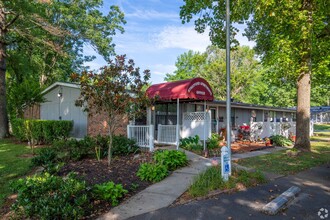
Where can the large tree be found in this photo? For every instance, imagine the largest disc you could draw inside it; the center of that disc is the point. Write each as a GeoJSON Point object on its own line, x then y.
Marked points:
{"type": "Point", "coordinates": [288, 35]}
{"type": "Point", "coordinates": [46, 37]}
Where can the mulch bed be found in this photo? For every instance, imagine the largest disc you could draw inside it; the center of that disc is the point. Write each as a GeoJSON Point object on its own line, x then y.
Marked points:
{"type": "Point", "coordinates": [122, 170]}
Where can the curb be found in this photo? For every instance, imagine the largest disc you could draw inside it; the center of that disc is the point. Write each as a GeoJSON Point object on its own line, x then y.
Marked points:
{"type": "Point", "coordinates": [277, 204]}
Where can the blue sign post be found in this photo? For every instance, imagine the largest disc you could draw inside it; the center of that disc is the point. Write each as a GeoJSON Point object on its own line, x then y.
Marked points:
{"type": "Point", "coordinates": [225, 163]}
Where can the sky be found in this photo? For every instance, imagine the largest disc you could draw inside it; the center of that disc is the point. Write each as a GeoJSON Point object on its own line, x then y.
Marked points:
{"type": "Point", "coordinates": [154, 36]}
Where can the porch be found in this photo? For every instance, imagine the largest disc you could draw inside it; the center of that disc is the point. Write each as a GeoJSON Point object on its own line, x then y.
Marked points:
{"type": "Point", "coordinates": [186, 108]}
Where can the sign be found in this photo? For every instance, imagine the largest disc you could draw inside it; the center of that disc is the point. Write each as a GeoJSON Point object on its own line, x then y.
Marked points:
{"type": "Point", "coordinates": [225, 164]}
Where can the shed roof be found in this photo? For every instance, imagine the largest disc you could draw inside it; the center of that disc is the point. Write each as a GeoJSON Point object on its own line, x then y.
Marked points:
{"type": "Point", "coordinates": [65, 84]}
{"type": "Point", "coordinates": [192, 89]}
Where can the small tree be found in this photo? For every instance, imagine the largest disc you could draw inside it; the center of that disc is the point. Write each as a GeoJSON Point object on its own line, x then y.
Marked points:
{"type": "Point", "coordinates": [116, 91]}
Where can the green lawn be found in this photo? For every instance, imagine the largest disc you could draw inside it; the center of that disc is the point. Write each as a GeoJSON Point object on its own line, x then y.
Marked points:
{"type": "Point", "coordinates": [280, 163]}
{"type": "Point", "coordinates": [12, 165]}
{"type": "Point", "coordinates": [323, 127]}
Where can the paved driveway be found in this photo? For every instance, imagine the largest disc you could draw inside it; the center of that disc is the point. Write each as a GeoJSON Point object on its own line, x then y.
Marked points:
{"type": "Point", "coordinates": [314, 195]}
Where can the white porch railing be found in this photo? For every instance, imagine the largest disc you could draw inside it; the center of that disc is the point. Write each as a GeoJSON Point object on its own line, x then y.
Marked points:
{"type": "Point", "coordinates": [166, 134]}
{"type": "Point", "coordinates": [142, 134]}
{"type": "Point", "coordinates": [267, 129]}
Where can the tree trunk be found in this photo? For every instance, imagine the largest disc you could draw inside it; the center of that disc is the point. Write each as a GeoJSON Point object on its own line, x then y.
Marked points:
{"type": "Point", "coordinates": [304, 83]}
{"type": "Point", "coordinates": [110, 147]}
{"type": "Point", "coordinates": [303, 113]}
{"type": "Point", "coordinates": [3, 108]}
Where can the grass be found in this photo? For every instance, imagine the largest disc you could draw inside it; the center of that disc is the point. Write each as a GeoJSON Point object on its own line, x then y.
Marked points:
{"type": "Point", "coordinates": [281, 163]}
{"type": "Point", "coordinates": [321, 127]}
{"type": "Point", "coordinates": [12, 166]}
{"type": "Point", "coordinates": [211, 180]}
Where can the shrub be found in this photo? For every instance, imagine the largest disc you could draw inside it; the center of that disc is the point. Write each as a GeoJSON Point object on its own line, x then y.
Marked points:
{"type": "Point", "coordinates": [109, 192]}
{"type": "Point", "coordinates": [123, 145]}
{"type": "Point", "coordinates": [279, 140]}
{"type": "Point", "coordinates": [41, 131]}
{"type": "Point", "coordinates": [73, 149]}
{"type": "Point", "coordinates": [54, 130]}
{"type": "Point", "coordinates": [172, 159]}
{"type": "Point", "coordinates": [152, 172]}
{"type": "Point", "coordinates": [102, 143]}
{"type": "Point", "coordinates": [213, 141]}
{"type": "Point", "coordinates": [46, 158]}
{"type": "Point", "coordinates": [18, 128]}
{"type": "Point", "coordinates": [191, 143]}
{"type": "Point", "coordinates": [50, 197]}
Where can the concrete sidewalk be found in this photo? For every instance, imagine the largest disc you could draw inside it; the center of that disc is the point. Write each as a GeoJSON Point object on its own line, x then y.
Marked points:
{"type": "Point", "coordinates": [164, 193]}
{"type": "Point", "coordinates": [161, 194]}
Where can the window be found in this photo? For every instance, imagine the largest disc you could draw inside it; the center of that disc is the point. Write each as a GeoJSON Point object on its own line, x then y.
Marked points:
{"type": "Point", "coordinates": [199, 108]}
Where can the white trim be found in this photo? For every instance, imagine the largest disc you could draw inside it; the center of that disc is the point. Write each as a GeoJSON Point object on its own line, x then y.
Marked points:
{"type": "Point", "coordinates": [49, 88]}
{"type": "Point", "coordinates": [251, 106]}
{"type": "Point", "coordinates": [177, 123]}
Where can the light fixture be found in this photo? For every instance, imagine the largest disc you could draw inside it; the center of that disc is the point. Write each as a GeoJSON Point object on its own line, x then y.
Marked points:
{"type": "Point", "coordinates": [60, 94]}
{"type": "Point", "coordinates": [153, 108]}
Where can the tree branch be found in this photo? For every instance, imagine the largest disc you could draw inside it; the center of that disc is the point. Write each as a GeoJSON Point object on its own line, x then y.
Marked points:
{"type": "Point", "coordinates": [10, 23]}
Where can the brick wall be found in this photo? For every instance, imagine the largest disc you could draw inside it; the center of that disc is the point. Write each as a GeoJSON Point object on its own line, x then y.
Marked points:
{"type": "Point", "coordinates": [97, 124]}
{"type": "Point", "coordinates": [32, 112]}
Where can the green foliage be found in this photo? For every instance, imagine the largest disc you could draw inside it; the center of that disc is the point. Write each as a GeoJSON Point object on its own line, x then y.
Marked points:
{"type": "Point", "coordinates": [211, 179]}
{"type": "Point", "coordinates": [213, 141]}
{"type": "Point", "coordinates": [172, 159]}
{"type": "Point", "coordinates": [109, 192]}
{"type": "Point", "coordinates": [321, 127]}
{"type": "Point", "coordinates": [189, 65]}
{"type": "Point", "coordinates": [22, 95]}
{"type": "Point", "coordinates": [46, 158]}
{"type": "Point", "coordinates": [191, 143]}
{"type": "Point", "coordinates": [123, 145]}
{"type": "Point", "coordinates": [73, 149]}
{"type": "Point", "coordinates": [207, 181]}
{"type": "Point", "coordinates": [53, 130]}
{"type": "Point", "coordinates": [279, 140]}
{"type": "Point", "coordinates": [102, 142]}
{"type": "Point", "coordinates": [249, 179]}
{"type": "Point", "coordinates": [50, 197]}
{"type": "Point", "coordinates": [18, 129]}
{"type": "Point", "coordinates": [152, 172]}
{"type": "Point", "coordinates": [41, 131]}
{"type": "Point", "coordinates": [13, 165]}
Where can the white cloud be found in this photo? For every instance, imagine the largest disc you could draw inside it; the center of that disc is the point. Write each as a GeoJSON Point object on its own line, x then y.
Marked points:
{"type": "Point", "coordinates": [161, 69]}
{"type": "Point", "coordinates": [152, 14]}
{"type": "Point", "coordinates": [183, 38]}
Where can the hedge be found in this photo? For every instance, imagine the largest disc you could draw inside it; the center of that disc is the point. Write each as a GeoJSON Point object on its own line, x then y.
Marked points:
{"type": "Point", "coordinates": [41, 131]}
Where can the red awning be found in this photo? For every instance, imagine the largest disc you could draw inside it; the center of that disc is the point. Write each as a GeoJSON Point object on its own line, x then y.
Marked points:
{"type": "Point", "coordinates": [196, 89]}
